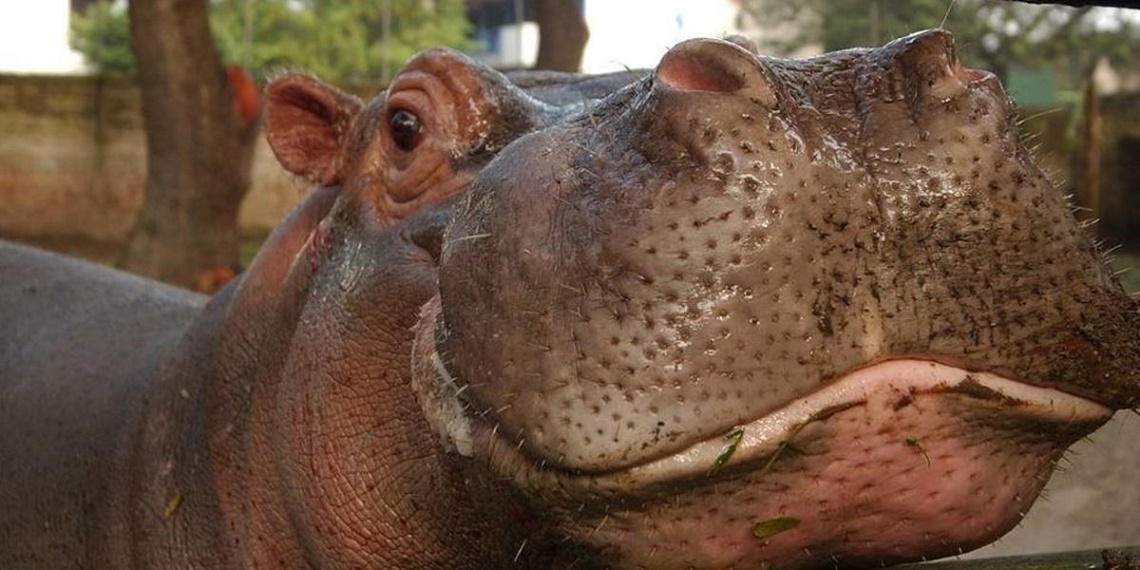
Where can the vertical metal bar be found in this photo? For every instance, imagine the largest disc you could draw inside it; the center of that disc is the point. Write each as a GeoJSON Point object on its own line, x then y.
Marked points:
{"type": "Point", "coordinates": [386, 41]}
{"type": "Point", "coordinates": [247, 34]}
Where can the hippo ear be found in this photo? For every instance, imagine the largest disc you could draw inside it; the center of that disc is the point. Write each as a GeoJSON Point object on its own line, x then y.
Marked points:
{"type": "Point", "coordinates": [305, 123]}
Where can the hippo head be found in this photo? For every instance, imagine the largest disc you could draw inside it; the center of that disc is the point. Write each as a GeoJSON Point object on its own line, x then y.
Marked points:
{"type": "Point", "coordinates": [751, 312]}
{"type": "Point", "coordinates": [417, 144]}
{"type": "Point", "coordinates": [309, 382]}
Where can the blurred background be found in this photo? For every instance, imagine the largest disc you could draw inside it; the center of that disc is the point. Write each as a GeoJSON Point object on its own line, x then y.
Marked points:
{"type": "Point", "coordinates": [131, 131]}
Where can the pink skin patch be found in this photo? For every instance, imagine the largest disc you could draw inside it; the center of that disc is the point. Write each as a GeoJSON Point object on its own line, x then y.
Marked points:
{"type": "Point", "coordinates": [690, 74]}
{"type": "Point", "coordinates": [313, 245]}
{"type": "Point", "coordinates": [893, 462]}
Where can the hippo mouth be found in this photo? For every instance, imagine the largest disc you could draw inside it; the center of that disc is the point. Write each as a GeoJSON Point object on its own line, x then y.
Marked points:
{"type": "Point", "coordinates": [894, 411]}
{"type": "Point", "coordinates": [891, 410]}
{"type": "Point", "coordinates": [938, 458]}
{"type": "Point", "coordinates": [785, 314]}
{"type": "Point", "coordinates": [901, 460]}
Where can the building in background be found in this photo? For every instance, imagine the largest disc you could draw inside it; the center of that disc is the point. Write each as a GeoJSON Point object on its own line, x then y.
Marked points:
{"type": "Point", "coordinates": [634, 34]}
{"type": "Point", "coordinates": [34, 38]}
{"type": "Point", "coordinates": [629, 34]}
{"type": "Point", "coordinates": [507, 32]}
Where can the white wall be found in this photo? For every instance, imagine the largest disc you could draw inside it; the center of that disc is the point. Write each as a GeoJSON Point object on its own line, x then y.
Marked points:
{"type": "Point", "coordinates": [33, 37]}
{"type": "Point", "coordinates": [636, 33]}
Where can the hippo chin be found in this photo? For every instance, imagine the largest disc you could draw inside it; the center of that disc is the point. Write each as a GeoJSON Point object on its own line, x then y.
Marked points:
{"type": "Point", "coordinates": [738, 312]}
{"type": "Point", "coordinates": [752, 312]}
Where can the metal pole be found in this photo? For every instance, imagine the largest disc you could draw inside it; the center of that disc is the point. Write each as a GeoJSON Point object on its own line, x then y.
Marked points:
{"type": "Point", "coordinates": [386, 41]}
{"type": "Point", "coordinates": [875, 35]}
{"type": "Point", "coordinates": [247, 34]}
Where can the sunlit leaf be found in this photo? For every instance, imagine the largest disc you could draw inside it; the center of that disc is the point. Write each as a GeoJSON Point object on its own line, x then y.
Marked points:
{"type": "Point", "coordinates": [772, 527]}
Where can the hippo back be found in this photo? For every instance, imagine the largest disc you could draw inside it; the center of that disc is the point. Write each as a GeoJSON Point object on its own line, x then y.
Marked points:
{"type": "Point", "coordinates": [564, 88]}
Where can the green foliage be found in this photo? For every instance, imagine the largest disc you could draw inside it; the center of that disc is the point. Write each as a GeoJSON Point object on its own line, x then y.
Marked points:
{"type": "Point", "coordinates": [991, 34]}
{"type": "Point", "coordinates": [1128, 269]}
{"type": "Point", "coordinates": [103, 36]}
{"type": "Point", "coordinates": [338, 40]}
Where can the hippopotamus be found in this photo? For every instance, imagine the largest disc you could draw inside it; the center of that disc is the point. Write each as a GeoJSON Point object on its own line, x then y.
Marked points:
{"type": "Point", "coordinates": [732, 312]}
{"type": "Point", "coordinates": [138, 412]}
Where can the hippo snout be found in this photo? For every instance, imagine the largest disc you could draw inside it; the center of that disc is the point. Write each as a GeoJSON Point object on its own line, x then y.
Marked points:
{"type": "Point", "coordinates": [834, 293]}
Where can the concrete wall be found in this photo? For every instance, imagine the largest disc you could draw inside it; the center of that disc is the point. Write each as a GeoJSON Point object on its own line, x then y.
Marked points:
{"type": "Point", "coordinates": [73, 165]}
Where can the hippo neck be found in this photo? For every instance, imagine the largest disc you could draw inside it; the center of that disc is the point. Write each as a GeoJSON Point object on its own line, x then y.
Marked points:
{"type": "Point", "coordinates": [256, 512]}
{"type": "Point", "coordinates": [174, 505]}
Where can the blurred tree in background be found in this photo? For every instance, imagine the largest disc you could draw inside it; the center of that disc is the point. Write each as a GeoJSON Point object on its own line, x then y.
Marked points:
{"type": "Point", "coordinates": [992, 34]}
{"type": "Point", "coordinates": [562, 34]}
{"type": "Point", "coordinates": [337, 40]}
{"type": "Point", "coordinates": [103, 36]}
{"type": "Point", "coordinates": [199, 141]}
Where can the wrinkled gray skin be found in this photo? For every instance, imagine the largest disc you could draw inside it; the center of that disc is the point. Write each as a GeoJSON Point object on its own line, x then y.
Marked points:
{"type": "Point", "coordinates": [733, 217]}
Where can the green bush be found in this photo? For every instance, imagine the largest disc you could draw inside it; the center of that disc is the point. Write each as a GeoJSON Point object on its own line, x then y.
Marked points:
{"type": "Point", "coordinates": [338, 40]}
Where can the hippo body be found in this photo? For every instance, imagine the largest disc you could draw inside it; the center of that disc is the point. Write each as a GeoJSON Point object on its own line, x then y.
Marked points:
{"type": "Point", "coordinates": [68, 424]}
{"type": "Point", "coordinates": [741, 312]}
{"type": "Point", "coordinates": [112, 385]}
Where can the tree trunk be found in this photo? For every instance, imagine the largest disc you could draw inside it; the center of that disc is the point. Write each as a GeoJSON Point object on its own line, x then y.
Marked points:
{"type": "Point", "coordinates": [80, 6]}
{"type": "Point", "coordinates": [199, 149]}
{"type": "Point", "coordinates": [562, 34]}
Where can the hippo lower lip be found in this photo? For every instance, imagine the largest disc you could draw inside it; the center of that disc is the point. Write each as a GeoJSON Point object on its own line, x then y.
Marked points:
{"type": "Point", "coordinates": [905, 448]}
{"type": "Point", "coordinates": [884, 390]}
{"type": "Point", "coordinates": [883, 394]}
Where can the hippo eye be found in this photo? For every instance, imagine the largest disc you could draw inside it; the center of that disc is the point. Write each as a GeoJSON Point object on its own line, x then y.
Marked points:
{"type": "Point", "coordinates": [405, 130]}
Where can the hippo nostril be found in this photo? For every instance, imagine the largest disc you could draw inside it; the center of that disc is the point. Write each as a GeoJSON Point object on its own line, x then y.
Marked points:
{"type": "Point", "coordinates": [928, 61]}
{"type": "Point", "coordinates": [924, 48]}
{"type": "Point", "coordinates": [713, 66]}
{"type": "Point", "coordinates": [929, 53]}
{"type": "Point", "coordinates": [697, 68]}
